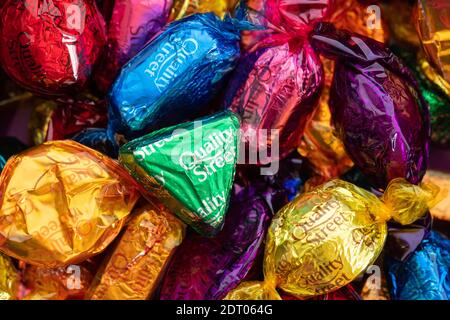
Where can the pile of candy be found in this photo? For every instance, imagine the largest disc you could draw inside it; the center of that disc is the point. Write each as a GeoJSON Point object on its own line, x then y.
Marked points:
{"type": "Point", "coordinates": [210, 149]}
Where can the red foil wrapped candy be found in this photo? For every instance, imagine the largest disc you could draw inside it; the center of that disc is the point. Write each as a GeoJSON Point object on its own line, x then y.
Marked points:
{"type": "Point", "coordinates": [376, 106]}
{"type": "Point", "coordinates": [278, 82]}
{"type": "Point", "coordinates": [50, 47]}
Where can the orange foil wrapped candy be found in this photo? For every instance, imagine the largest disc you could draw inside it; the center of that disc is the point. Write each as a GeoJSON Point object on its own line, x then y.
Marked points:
{"type": "Point", "coordinates": [182, 8]}
{"type": "Point", "coordinates": [63, 283]}
{"type": "Point", "coordinates": [9, 279]}
{"type": "Point", "coordinates": [136, 264]}
{"type": "Point", "coordinates": [442, 210]}
{"type": "Point", "coordinates": [325, 238]}
{"type": "Point", "coordinates": [61, 203]}
{"type": "Point", "coordinates": [433, 27]}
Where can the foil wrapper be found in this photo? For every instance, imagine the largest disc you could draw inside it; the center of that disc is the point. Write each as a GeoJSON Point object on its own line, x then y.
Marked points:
{"type": "Point", "coordinates": [9, 279]}
{"type": "Point", "coordinates": [175, 76]}
{"type": "Point", "coordinates": [132, 25]}
{"type": "Point", "coordinates": [98, 139]}
{"type": "Point", "coordinates": [182, 8]}
{"type": "Point", "coordinates": [376, 106]}
{"type": "Point", "coordinates": [64, 118]}
{"type": "Point", "coordinates": [433, 27]}
{"type": "Point", "coordinates": [277, 83]}
{"type": "Point", "coordinates": [424, 276]}
{"type": "Point", "coordinates": [442, 210]}
{"type": "Point", "coordinates": [50, 47]}
{"type": "Point", "coordinates": [63, 283]}
{"type": "Point", "coordinates": [62, 203]}
{"type": "Point", "coordinates": [189, 168]}
{"type": "Point", "coordinates": [325, 238]}
{"type": "Point", "coordinates": [137, 263]}
{"type": "Point", "coordinates": [208, 268]}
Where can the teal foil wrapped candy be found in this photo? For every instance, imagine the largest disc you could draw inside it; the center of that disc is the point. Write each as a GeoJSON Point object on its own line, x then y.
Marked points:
{"type": "Point", "coordinates": [425, 275]}
{"type": "Point", "coordinates": [189, 168]}
{"type": "Point", "coordinates": [175, 76]}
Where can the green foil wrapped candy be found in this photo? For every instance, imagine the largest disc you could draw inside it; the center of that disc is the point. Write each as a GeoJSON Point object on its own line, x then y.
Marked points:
{"type": "Point", "coordinates": [189, 168]}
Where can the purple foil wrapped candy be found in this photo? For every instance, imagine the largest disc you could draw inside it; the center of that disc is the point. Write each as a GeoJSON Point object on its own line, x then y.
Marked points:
{"type": "Point", "coordinates": [208, 268]}
{"type": "Point", "coordinates": [132, 25]}
{"type": "Point", "coordinates": [376, 107]}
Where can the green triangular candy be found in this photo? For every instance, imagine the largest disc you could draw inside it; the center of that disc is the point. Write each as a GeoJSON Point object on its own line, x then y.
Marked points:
{"type": "Point", "coordinates": [189, 168]}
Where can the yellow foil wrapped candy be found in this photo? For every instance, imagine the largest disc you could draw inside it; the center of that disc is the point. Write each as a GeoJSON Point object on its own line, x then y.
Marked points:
{"type": "Point", "coordinates": [433, 27]}
{"type": "Point", "coordinates": [61, 203]}
{"type": "Point", "coordinates": [63, 283]}
{"type": "Point", "coordinates": [133, 270]}
{"type": "Point", "coordinates": [325, 238]}
{"type": "Point", "coordinates": [9, 279]}
{"type": "Point", "coordinates": [182, 8]}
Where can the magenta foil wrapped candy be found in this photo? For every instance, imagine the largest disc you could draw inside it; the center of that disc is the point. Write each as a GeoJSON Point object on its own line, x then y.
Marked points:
{"type": "Point", "coordinates": [277, 83]}
{"type": "Point", "coordinates": [133, 23]}
{"type": "Point", "coordinates": [208, 268]}
{"type": "Point", "coordinates": [376, 106]}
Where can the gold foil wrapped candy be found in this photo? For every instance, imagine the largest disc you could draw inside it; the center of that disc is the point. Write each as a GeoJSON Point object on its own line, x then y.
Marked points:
{"type": "Point", "coordinates": [440, 211]}
{"type": "Point", "coordinates": [182, 8]}
{"type": "Point", "coordinates": [61, 203]}
{"type": "Point", "coordinates": [133, 270]}
{"type": "Point", "coordinates": [325, 238]}
{"type": "Point", "coordinates": [433, 27]}
{"type": "Point", "coordinates": [63, 283]}
{"type": "Point", "coordinates": [9, 279]}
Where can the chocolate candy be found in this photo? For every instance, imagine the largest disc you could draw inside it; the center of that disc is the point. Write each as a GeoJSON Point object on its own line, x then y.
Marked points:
{"type": "Point", "coordinates": [62, 203]}
{"type": "Point", "coordinates": [433, 27]}
{"type": "Point", "coordinates": [325, 238]}
{"type": "Point", "coordinates": [189, 168]}
{"type": "Point", "coordinates": [64, 118]}
{"type": "Point", "coordinates": [424, 276]}
{"type": "Point", "coordinates": [9, 279]}
{"type": "Point", "coordinates": [175, 76]}
{"type": "Point", "coordinates": [376, 107]}
{"type": "Point", "coordinates": [132, 25]}
{"type": "Point", "coordinates": [208, 268]}
{"type": "Point", "coordinates": [277, 83]}
{"type": "Point", "coordinates": [50, 48]}
{"type": "Point", "coordinates": [63, 283]}
{"type": "Point", "coordinates": [133, 270]}
{"type": "Point", "coordinates": [182, 8]}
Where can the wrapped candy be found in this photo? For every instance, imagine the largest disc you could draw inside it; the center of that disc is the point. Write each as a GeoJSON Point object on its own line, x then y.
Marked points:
{"type": "Point", "coordinates": [175, 75]}
{"type": "Point", "coordinates": [424, 276]}
{"type": "Point", "coordinates": [344, 293]}
{"type": "Point", "coordinates": [63, 118]}
{"type": "Point", "coordinates": [62, 203]}
{"type": "Point", "coordinates": [137, 263]}
{"type": "Point", "coordinates": [189, 168]}
{"type": "Point", "coordinates": [433, 27]}
{"type": "Point", "coordinates": [62, 283]}
{"type": "Point", "coordinates": [182, 8]}
{"type": "Point", "coordinates": [208, 268]}
{"type": "Point", "coordinates": [277, 83]}
{"type": "Point", "coordinates": [132, 25]}
{"type": "Point", "coordinates": [50, 47]}
{"type": "Point", "coordinates": [376, 107]}
{"type": "Point", "coordinates": [325, 238]}
{"type": "Point", "coordinates": [9, 279]}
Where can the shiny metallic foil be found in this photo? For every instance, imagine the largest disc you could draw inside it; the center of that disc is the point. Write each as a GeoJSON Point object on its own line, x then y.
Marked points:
{"type": "Point", "coordinates": [135, 267]}
{"type": "Point", "coordinates": [62, 283]}
{"type": "Point", "coordinates": [50, 47]}
{"type": "Point", "coordinates": [9, 279]}
{"type": "Point", "coordinates": [442, 209]}
{"type": "Point", "coordinates": [62, 203]}
{"type": "Point", "coordinates": [325, 238]}
{"type": "Point", "coordinates": [182, 8]}
{"type": "Point", "coordinates": [433, 27]}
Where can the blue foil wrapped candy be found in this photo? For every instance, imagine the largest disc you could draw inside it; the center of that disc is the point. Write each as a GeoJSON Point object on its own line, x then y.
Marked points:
{"type": "Point", "coordinates": [175, 76]}
{"type": "Point", "coordinates": [425, 275]}
{"type": "Point", "coordinates": [98, 139]}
